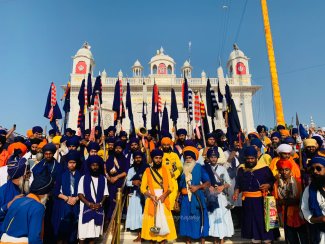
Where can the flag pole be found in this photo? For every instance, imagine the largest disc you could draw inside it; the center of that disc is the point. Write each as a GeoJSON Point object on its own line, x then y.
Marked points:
{"type": "Point", "coordinates": [102, 124]}
{"type": "Point", "coordinates": [202, 124]}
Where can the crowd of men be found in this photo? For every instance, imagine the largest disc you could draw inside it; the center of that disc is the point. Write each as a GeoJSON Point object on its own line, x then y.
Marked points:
{"type": "Point", "coordinates": [62, 188]}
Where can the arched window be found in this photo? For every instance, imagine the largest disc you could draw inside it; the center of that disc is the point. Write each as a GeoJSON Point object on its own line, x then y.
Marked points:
{"type": "Point", "coordinates": [154, 69]}
{"type": "Point", "coordinates": [169, 70]}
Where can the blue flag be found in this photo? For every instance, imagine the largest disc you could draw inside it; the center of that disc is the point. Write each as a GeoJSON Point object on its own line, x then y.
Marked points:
{"type": "Point", "coordinates": [219, 93]}
{"type": "Point", "coordinates": [81, 115]}
{"type": "Point", "coordinates": [66, 105]}
{"type": "Point", "coordinates": [185, 93]}
{"type": "Point", "coordinates": [129, 108]}
{"type": "Point", "coordinates": [154, 110]}
{"type": "Point", "coordinates": [173, 108]}
{"type": "Point", "coordinates": [233, 120]}
{"type": "Point", "coordinates": [165, 120]}
{"type": "Point", "coordinates": [117, 100]}
{"type": "Point", "coordinates": [89, 90]}
{"type": "Point", "coordinates": [97, 89]}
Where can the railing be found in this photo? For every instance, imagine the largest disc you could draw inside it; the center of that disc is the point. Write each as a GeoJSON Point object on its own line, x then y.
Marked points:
{"type": "Point", "coordinates": [114, 227]}
{"type": "Point", "coordinates": [110, 81]}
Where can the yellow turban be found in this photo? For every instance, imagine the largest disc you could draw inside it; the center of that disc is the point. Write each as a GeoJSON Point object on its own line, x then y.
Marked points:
{"type": "Point", "coordinates": [285, 132]}
{"type": "Point", "coordinates": [56, 140]}
{"type": "Point", "coordinates": [310, 143]}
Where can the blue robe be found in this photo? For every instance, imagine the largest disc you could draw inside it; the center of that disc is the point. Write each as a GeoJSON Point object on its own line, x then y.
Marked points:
{"type": "Point", "coordinates": [112, 188]}
{"type": "Point", "coordinates": [190, 215]}
{"type": "Point", "coordinates": [7, 192]}
{"type": "Point", "coordinates": [65, 216]}
{"type": "Point", "coordinates": [253, 224]}
{"type": "Point", "coordinates": [31, 214]}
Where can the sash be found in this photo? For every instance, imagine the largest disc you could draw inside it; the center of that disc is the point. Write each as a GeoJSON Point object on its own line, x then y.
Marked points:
{"type": "Point", "coordinates": [151, 210]}
{"type": "Point", "coordinates": [89, 214]}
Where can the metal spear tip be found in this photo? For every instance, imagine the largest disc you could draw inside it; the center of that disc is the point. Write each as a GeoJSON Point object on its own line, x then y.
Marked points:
{"type": "Point", "coordinates": [97, 91]}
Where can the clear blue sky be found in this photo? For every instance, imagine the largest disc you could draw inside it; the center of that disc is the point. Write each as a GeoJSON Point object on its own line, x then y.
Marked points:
{"type": "Point", "coordinates": [38, 38]}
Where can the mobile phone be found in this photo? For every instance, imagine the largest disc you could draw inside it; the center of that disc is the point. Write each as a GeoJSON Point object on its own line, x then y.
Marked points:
{"type": "Point", "coordinates": [14, 126]}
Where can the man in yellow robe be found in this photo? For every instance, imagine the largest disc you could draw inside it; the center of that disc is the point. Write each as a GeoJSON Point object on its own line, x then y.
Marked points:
{"type": "Point", "coordinates": [264, 158]}
{"type": "Point", "coordinates": [156, 186]}
{"type": "Point", "coordinates": [173, 164]}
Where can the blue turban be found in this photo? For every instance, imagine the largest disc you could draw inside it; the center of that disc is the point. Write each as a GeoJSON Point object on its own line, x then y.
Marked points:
{"type": "Point", "coordinates": [189, 143]}
{"type": "Point", "coordinates": [256, 142]}
{"type": "Point", "coordinates": [3, 132]}
{"type": "Point", "coordinates": [73, 155]}
{"type": "Point", "coordinates": [317, 160]}
{"type": "Point", "coordinates": [68, 130]}
{"type": "Point", "coordinates": [250, 152]}
{"type": "Point", "coordinates": [110, 140]}
{"type": "Point", "coordinates": [111, 128]}
{"type": "Point", "coordinates": [189, 153]}
{"type": "Point", "coordinates": [63, 139]}
{"type": "Point", "coordinates": [156, 152]}
{"type": "Point", "coordinates": [289, 140]}
{"type": "Point", "coordinates": [137, 153]}
{"type": "Point", "coordinates": [95, 159]}
{"type": "Point", "coordinates": [280, 127]}
{"type": "Point", "coordinates": [37, 129]}
{"type": "Point", "coordinates": [261, 128]}
{"type": "Point", "coordinates": [211, 135]}
{"type": "Point", "coordinates": [42, 184]}
{"type": "Point", "coordinates": [118, 143]}
{"type": "Point", "coordinates": [73, 141]}
{"type": "Point", "coordinates": [181, 132]}
{"type": "Point", "coordinates": [213, 151]}
{"type": "Point", "coordinates": [252, 136]}
{"type": "Point", "coordinates": [319, 140]}
{"type": "Point", "coordinates": [294, 131]}
{"type": "Point", "coordinates": [123, 133]}
{"type": "Point", "coordinates": [134, 140]}
{"type": "Point", "coordinates": [16, 166]}
{"type": "Point", "coordinates": [93, 146]}
{"type": "Point", "coordinates": [276, 134]}
{"type": "Point", "coordinates": [49, 147]}
{"type": "Point", "coordinates": [87, 132]}
{"type": "Point", "coordinates": [98, 128]}
{"type": "Point", "coordinates": [52, 132]}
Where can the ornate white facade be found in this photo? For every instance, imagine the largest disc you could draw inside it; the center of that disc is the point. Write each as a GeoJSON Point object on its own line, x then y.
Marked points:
{"type": "Point", "coordinates": [162, 71]}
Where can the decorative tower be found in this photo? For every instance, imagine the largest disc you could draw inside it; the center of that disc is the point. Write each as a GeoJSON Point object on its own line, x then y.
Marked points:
{"type": "Point", "coordinates": [137, 69]}
{"type": "Point", "coordinates": [238, 68]}
{"type": "Point", "coordinates": [187, 69]}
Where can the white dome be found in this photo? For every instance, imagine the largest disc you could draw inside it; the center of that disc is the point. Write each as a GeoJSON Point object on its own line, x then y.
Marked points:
{"type": "Point", "coordinates": [137, 64]}
{"type": "Point", "coordinates": [161, 56]}
{"type": "Point", "coordinates": [203, 74]}
{"type": "Point", "coordinates": [85, 51]}
{"type": "Point", "coordinates": [236, 53]}
{"type": "Point", "coordinates": [186, 64]}
{"type": "Point", "coordinates": [104, 73]}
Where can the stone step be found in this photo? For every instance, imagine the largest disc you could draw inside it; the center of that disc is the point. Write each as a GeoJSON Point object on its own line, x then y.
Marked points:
{"type": "Point", "coordinates": [128, 237]}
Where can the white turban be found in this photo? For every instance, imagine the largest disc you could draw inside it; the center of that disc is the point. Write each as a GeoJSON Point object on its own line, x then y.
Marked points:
{"type": "Point", "coordinates": [284, 148]}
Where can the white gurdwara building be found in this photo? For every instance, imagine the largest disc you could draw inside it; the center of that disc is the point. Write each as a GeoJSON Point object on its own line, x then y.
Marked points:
{"type": "Point", "coordinates": [162, 71]}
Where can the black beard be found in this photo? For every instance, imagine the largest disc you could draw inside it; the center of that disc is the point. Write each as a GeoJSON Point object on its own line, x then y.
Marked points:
{"type": "Point", "coordinates": [156, 166]}
{"type": "Point", "coordinates": [310, 154]}
{"type": "Point", "coordinates": [33, 152]}
{"type": "Point", "coordinates": [318, 180]}
{"type": "Point", "coordinates": [167, 150]}
{"type": "Point", "coordinates": [95, 173]}
{"type": "Point", "coordinates": [250, 165]}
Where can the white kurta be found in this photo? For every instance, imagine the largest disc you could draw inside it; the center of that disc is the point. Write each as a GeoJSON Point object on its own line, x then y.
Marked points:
{"type": "Point", "coordinates": [89, 230]}
{"type": "Point", "coordinates": [305, 208]}
{"type": "Point", "coordinates": [220, 219]}
{"type": "Point", "coordinates": [3, 175]}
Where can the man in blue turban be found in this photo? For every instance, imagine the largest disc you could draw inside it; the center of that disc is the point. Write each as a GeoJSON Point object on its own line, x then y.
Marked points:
{"type": "Point", "coordinates": [92, 192]}
{"type": "Point", "coordinates": [179, 143]}
{"type": "Point", "coordinates": [252, 180]}
{"type": "Point", "coordinates": [37, 132]}
{"type": "Point", "coordinates": [28, 211]}
{"type": "Point", "coordinates": [13, 189]}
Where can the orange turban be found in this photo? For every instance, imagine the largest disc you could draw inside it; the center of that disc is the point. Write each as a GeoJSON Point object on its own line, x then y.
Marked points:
{"type": "Point", "coordinates": [29, 133]}
{"type": "Point", "coordinates": [191, 150]}
{"type": "Point", "coordinates": [284, 163]}
{"type": "Point", "coordinates": [17, 145]}
{"type": "Point", "coordinates": [166, 140]}
{"type": "Point", "coordinates": [285, 132]}
{"type": "Point", "coordinates": [42, 144]}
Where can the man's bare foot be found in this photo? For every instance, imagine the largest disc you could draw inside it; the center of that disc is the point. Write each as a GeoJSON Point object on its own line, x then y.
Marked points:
{"type": "Point", "coordinates": [138, 239]}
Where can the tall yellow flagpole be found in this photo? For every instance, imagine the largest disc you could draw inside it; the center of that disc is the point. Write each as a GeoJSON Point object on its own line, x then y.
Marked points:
{"type": "Point", "coordinates": [274, 74]}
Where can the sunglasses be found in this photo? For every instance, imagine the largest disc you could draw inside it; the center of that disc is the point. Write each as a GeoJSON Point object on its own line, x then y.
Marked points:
{"type": "Point", "coordinates": [317, 168]}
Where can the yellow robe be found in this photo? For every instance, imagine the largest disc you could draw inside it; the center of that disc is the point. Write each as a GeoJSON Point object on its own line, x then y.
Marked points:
{"type": "Point", "coordinates": [148, 220]}
{"type": "Point", "coordinates": [265, 158]}
{"type": "Point", "coordinates": [173, 164]}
